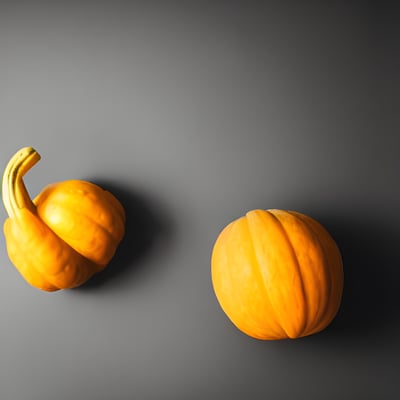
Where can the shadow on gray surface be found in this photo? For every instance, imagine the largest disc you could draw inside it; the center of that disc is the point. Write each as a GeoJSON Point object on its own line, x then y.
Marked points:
{"type": "Point", "coordinates": [145, 227]}
{"type": "Point", "coordinates": [371, 259]}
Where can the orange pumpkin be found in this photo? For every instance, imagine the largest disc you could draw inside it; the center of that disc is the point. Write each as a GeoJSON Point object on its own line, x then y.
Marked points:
{"type": "Point", "coordinates": [277, 274]}
{"type": "Point", "coordinates": [69, 232]}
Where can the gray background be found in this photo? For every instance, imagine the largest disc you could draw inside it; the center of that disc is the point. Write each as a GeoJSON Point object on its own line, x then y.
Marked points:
{"type": "Point", "coordinates": [193, 113]}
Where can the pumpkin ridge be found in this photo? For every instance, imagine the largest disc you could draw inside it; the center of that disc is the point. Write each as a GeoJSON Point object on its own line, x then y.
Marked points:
{"type": "Point", "coordinates": [311, 325]}
{"type": "Point", "coordinates": [97, 223]}
{"type": "Point", "coordinates": [264, 284]}
{"type": "Point", "coordinates": [91, 219]}
{"type": "Point", "coordinates": [244, 322]}
{"type": "Point", "coordinates": [104, 228]}
{"type": "Point", "coordinates": [298, 268]}
{"type": "Point", "coordinates": [326, 315]}
{"type": "Point", "coordinates": [314, 319]}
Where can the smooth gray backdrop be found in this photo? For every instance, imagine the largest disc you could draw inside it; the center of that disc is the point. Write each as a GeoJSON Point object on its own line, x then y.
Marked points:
{"type": "Point", "coordinates": [193, 113]}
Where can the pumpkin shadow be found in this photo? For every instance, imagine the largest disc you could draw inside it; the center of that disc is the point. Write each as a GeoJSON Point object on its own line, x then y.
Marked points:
{"type": "Point", "coordinates": [371, 261]}
{"type": "Point", "coordinates": [144, 229]}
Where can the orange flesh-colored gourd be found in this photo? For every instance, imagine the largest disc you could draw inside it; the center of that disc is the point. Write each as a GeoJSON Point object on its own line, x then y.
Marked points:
{"type": "Point", "coordinates": [67, 234]}
{"type": "Point", "coordinates": [277, 274]}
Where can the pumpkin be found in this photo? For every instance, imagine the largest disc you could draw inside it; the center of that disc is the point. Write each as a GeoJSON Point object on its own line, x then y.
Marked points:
{"type": "Point", "coordinates": [69, 232]}
{"type": "Point", "coordinates": [277, 274]}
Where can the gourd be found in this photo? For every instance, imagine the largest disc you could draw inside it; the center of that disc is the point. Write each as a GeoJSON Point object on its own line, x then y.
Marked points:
{"type": "Point", "coordinates": [69, 232]}
{"type": "Point", "coordinates": [277, 274]}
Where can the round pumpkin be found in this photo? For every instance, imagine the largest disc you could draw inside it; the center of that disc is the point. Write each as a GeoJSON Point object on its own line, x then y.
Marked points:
{"type": "Point", "coordinates": [277, 274]}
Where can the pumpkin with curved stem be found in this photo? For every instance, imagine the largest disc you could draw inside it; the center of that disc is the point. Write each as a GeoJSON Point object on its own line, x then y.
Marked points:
{"type": "Point", "coordinates": [69, 232]}
{"type": "Point", "coordinates": [277, 274]}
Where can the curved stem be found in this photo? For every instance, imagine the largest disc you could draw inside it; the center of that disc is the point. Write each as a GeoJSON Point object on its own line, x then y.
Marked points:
{"type": "Point", "coordinates": [15, 195]}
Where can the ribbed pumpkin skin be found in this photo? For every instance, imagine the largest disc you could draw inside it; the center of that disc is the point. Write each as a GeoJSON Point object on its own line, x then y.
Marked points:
{"type": "Point", "coordinates": [277, 274]}
{"type": "Point", "coordinates": [91, 220]}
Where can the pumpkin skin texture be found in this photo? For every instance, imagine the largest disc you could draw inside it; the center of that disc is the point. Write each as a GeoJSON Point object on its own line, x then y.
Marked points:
{"type": "Point", "coordinates": [69, 232]}
{"type": "Point", "coordinates": [277, 274]}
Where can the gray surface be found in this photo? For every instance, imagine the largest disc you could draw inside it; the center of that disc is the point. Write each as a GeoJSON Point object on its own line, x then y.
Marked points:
{"type": "Point", "coordinates": [192, 115]}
